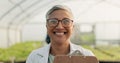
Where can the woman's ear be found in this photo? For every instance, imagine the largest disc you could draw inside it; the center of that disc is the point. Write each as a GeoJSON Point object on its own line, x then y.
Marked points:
{"type": "Point", "coordinates": [46, 26]}
{"type": "Point", "coordinates": [73, 27]}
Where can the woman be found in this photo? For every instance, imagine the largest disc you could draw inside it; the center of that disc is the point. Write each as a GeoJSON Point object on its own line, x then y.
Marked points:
{"type": "Point", "coordinates": [59, 24]}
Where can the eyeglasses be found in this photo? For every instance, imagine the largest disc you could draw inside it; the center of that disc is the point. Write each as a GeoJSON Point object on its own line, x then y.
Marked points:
{"type": "Point", "coordinates": [66, 22]}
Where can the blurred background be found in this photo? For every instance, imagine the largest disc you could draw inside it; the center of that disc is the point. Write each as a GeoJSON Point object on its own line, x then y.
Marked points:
{"type": "Point", "coordinates": [23, 27]}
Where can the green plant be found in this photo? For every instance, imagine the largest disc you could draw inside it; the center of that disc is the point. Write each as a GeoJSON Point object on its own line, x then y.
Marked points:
{"type": "Point", "coordinates": [19, 51]}
{"type": "Point", "coordinates": [105, 53]}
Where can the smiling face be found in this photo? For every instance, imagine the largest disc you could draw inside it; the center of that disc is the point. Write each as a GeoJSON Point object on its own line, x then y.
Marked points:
{"type": "Point", "coordinates": [60, 33]}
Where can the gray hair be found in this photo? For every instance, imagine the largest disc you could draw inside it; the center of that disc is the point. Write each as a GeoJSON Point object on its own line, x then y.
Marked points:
{"type": "Point", "coordinates": [58, 7]}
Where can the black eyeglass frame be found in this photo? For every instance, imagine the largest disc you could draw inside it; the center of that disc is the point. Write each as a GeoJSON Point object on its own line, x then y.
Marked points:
{"type": "Point", "coordinates": [63, 24]}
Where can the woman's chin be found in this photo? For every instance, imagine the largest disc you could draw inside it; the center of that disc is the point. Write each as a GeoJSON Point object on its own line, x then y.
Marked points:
{"type": "Point", "coordinates": [59, 41]}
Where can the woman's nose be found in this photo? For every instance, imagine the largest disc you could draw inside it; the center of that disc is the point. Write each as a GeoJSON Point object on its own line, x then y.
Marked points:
{"type": "Point", "coordinates": [59, 26]}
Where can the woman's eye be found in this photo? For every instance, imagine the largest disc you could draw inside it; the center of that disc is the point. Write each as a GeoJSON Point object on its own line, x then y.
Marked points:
{"type": "Point", "coordinates": [53, 21]}
{"type": "Point", "coordinates": [66, 21]}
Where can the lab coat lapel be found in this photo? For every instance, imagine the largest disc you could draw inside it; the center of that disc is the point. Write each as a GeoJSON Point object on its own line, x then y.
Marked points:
{"type": "Point", "coordinates": [44, 54]}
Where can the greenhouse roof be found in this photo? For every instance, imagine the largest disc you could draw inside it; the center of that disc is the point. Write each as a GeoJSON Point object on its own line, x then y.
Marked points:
{"type": "Point", "coordinates": [21, 12]}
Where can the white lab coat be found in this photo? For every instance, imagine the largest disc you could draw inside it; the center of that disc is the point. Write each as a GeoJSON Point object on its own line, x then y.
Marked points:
{"type": "Point", "coordinates": [41, 55]}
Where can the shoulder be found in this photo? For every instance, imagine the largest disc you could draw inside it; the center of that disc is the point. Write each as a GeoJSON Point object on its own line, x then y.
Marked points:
{"type": "Point", "coordinates": [37, 51]}
{"type": "Point", "coordinates": [41, 50]}
{"type": "Point", "coordinates": [37, 54]}
{"type": "Point", "coordinates": [84, 51]}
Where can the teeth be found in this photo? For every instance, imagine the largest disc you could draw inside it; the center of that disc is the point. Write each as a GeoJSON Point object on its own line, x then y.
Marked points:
{"type": "Point", "coordinates": [59, 33]}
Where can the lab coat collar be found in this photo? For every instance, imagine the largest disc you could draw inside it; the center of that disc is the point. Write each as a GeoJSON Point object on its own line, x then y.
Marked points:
{"type": "Point", "coordinates": [44, 53]}
{"type": "Point", "coordinates": [72, 48]}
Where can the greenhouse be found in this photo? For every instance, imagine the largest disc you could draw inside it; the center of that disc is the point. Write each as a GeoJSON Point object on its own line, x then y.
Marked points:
{"type": "Point", "coordinates": [97, 23]}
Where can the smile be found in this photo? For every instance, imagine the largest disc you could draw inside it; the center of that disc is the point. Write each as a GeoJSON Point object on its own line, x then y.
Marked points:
{"type": "Point", "coordinates": [60, 33]}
